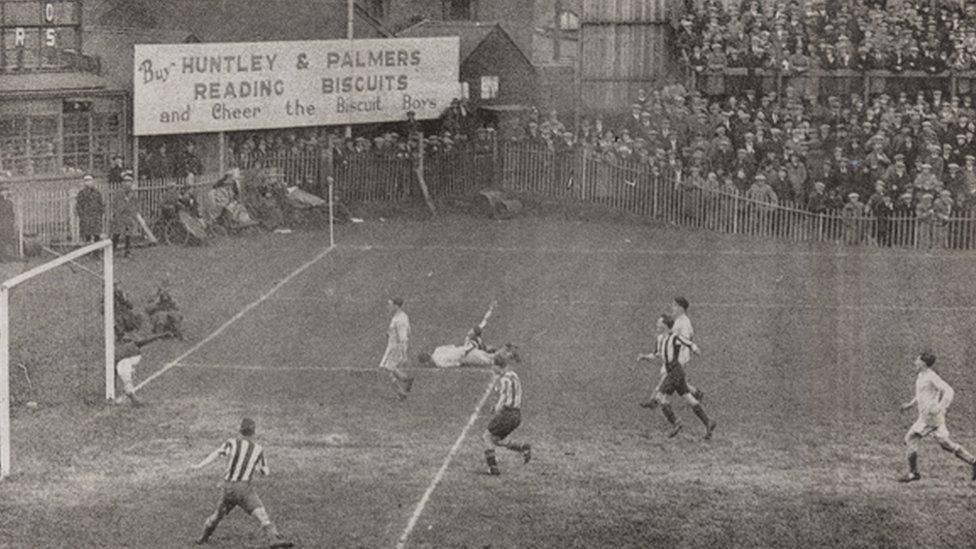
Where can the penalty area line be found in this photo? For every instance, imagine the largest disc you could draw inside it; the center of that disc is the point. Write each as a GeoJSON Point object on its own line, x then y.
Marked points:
{"type": "Point", "coordinates": [419, 510]}
{"type": "Point", "coordinates": [223, 327]}
{"type": "Point", "coordinates": [260, 368]}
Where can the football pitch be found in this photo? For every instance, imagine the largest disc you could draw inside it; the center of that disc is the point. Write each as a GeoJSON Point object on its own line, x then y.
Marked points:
{"type": "Point", "coordinates": [806, 358]}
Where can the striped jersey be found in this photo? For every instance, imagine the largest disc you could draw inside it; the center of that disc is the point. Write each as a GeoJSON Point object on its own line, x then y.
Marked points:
{"type": "Point", "coordinates": [246, 457]}
{"type": "Point", "coordinates": [673, 346]}
{"type": "Point", "coordinates": [509, 392]}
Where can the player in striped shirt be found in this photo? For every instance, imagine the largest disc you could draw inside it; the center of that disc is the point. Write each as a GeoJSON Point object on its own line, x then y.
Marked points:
{"type": "Point", "coordinates": [246, 458]}
{"type": "Point", "coordinates": [398, 336]}
{"type": "Point", "coordinates": [669, 347]}
{"type": "Point", "coordinates": [507, 416]}
{"type": "Point", "coordinates": [932, 399]}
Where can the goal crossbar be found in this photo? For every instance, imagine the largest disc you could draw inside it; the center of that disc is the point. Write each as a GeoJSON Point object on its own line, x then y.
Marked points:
{"type": "Point", "coordinates": [108, 290]}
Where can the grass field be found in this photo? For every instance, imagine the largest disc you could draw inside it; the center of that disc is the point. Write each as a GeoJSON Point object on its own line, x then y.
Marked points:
{"type": "Point", "coordinates": [806, 359]}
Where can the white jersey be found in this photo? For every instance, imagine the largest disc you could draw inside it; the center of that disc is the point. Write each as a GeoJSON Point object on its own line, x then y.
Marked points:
{"type": "Point", "coordinates": [932, 397]}
{"type": "Point", "coordinates": [399, 331]}
{"type": "Point", "coordinates": [682, 327]}
{"type": "Point", "coordinates": [398, 335]}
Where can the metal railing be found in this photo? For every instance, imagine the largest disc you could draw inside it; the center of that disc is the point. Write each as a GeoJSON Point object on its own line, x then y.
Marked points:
{"type": "Point", "coordinates": [636, 188]}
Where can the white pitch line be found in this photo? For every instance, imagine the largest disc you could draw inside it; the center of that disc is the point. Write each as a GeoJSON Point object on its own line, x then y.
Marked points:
{"type": "Point", "coordinates": [626, 303]}
{"type": "Point", "coordinates": [264, 297]}
{"type": "Point", "coordinates": [419, 510]}
{"type": "Point", "coordinates": [662, 252]}
{"type": "Point", "coordinates": [260, 368]}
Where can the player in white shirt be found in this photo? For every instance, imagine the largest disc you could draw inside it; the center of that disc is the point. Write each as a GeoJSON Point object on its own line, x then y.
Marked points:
{"type": "Point", "coordinates": [932, 398]}
{"type": "Point", "coordinates": [682, 327]}
{"type": "Point", "coordinates": [398, 336]}
{"type": "Point", "coordinates": [473, 352]}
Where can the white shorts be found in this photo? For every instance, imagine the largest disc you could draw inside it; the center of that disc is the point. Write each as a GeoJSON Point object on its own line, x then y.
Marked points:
{"type": "Point", "coordinates": [928, 425]}
{"type": "Point", "coordinates": [126, 369]}
{"type": "Point", "coordinates": [393, 359]}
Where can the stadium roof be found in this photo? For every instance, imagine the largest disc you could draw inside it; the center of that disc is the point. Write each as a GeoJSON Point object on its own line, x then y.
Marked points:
{"type": "Point", "coordinates": [471, 33]}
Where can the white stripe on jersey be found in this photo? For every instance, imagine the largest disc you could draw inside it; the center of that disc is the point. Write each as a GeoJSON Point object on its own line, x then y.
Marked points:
{"type": "Point", "coordinates": [245, 458]}
{"type": "Point", "coordinates": [509, 391]}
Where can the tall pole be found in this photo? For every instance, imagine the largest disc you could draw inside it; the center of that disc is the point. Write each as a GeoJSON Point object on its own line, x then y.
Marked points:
{"type": "Point", "coordinates": [108, 304]}
{"type": "Point", "coordinates": [350, 32]}
{"type": "Point", "coordinates": [4, 381]}
{"type": "Point", "coordinates": [557, 31]}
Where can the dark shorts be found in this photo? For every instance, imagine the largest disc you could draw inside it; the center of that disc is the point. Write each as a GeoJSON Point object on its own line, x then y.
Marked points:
{"type": "Point", "coordinates": [503, 423]}
{"type": "Point", "coordinates": [674, 382]}
{"type": "Point", "coordinates": [239, 494]}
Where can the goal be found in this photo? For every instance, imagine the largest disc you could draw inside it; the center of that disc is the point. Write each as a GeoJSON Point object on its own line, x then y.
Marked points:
{"type": "Point", "coordinates": [57, 338]}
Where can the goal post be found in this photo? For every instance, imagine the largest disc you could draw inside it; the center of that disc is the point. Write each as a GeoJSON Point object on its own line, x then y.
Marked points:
{"type": "Point", "coordinates": [107, 283]}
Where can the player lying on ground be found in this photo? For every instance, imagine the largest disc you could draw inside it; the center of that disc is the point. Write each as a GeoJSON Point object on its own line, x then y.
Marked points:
{"type": "Point", "coordinates": [395, 357]}
{"type": "Point", "coordinates": [473, 352]}
{"type": "Point", "coordinates": [507, 416]}
{"type": "Point", "coordinates": [246, 457]}
{"type": "Point", "coordinates": [932, 398]}
{"type": "Point", "coordinates": [669, 346]}
{"type": "Point", "coordinates": [128, 354]}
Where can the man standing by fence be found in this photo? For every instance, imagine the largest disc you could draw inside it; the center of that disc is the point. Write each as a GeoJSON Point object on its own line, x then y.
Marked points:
{"type": "Point", "coordinates": [8, 227]}
{"type": "Point", "coordinates": [90, 208]}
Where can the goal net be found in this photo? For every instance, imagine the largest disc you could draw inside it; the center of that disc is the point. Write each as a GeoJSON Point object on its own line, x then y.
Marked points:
{"type": "Point", "coordinates": [56, 337]}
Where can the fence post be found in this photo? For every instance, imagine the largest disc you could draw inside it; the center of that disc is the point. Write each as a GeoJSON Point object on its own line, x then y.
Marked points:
{"type": "Point", "coordinates": [495, 164]}
{"type": "Point", "coordinates": [420, 177]}
{"type": "Point", "coordinates": [326, 166]}
{"type": "Point", "coordinates": [735, 213]}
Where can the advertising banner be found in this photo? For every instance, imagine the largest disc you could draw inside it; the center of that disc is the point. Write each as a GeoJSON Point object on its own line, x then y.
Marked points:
{"type": "Point", "coordinates": [194, 88]}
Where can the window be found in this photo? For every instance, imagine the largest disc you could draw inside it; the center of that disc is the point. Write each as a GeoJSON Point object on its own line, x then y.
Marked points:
{"type": "Point", "coordinates": [82, 138]}
{"type": "Point", "coordinates": [489, 87]}
{"type": "Point", "coordinates": [458, 10]}
{"type": "Point", "coordinates": [77, 141]}
{"type": "Point", "coordinates": [569, 21]}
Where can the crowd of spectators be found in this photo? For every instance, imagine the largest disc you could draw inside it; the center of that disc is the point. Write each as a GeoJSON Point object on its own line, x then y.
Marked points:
{"type": "Point", "coordinates": [818, 155]}
{"type": "Point", "coordinates": [457, 129]}
{"type": "Point", "coordinates": [930, 36]}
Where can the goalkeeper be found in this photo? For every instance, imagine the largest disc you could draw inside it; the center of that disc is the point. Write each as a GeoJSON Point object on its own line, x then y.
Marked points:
{"type": "Point", "coordinates": [128, 355]}
{"type": "Point", "coordinates": [473, 352]}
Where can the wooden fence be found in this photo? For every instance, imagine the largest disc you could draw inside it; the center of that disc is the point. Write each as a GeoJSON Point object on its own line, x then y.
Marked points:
{"type": "Point", "coordinates": [634, 188]}
{"type": "Point", "coordinates": [371, 177]}
{"type": "Point", "coordinates": [48, 216]}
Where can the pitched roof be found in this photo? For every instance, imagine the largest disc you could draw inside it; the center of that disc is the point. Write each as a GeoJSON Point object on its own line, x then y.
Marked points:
{"type": "Point", "coordinates": [471, 33]}
{"type": "Point", "coordinates": [52, 83]}
{"type": "Point", "coordinates": [238, 20]}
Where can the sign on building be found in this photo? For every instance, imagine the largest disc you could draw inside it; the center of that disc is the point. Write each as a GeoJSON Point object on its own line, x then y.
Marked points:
{"type": "Point", "coordinates": [193, 88]}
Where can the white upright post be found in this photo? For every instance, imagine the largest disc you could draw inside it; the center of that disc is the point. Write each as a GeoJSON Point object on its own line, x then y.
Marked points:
{"type": "Point", "coordinates": [350, 31]}
{"type": "Point", "coordinates": [108, 278]}
{"type": "Point", "coordinates": [331, 212]}
{"type": "Point", "coordinates": [4, 381]}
